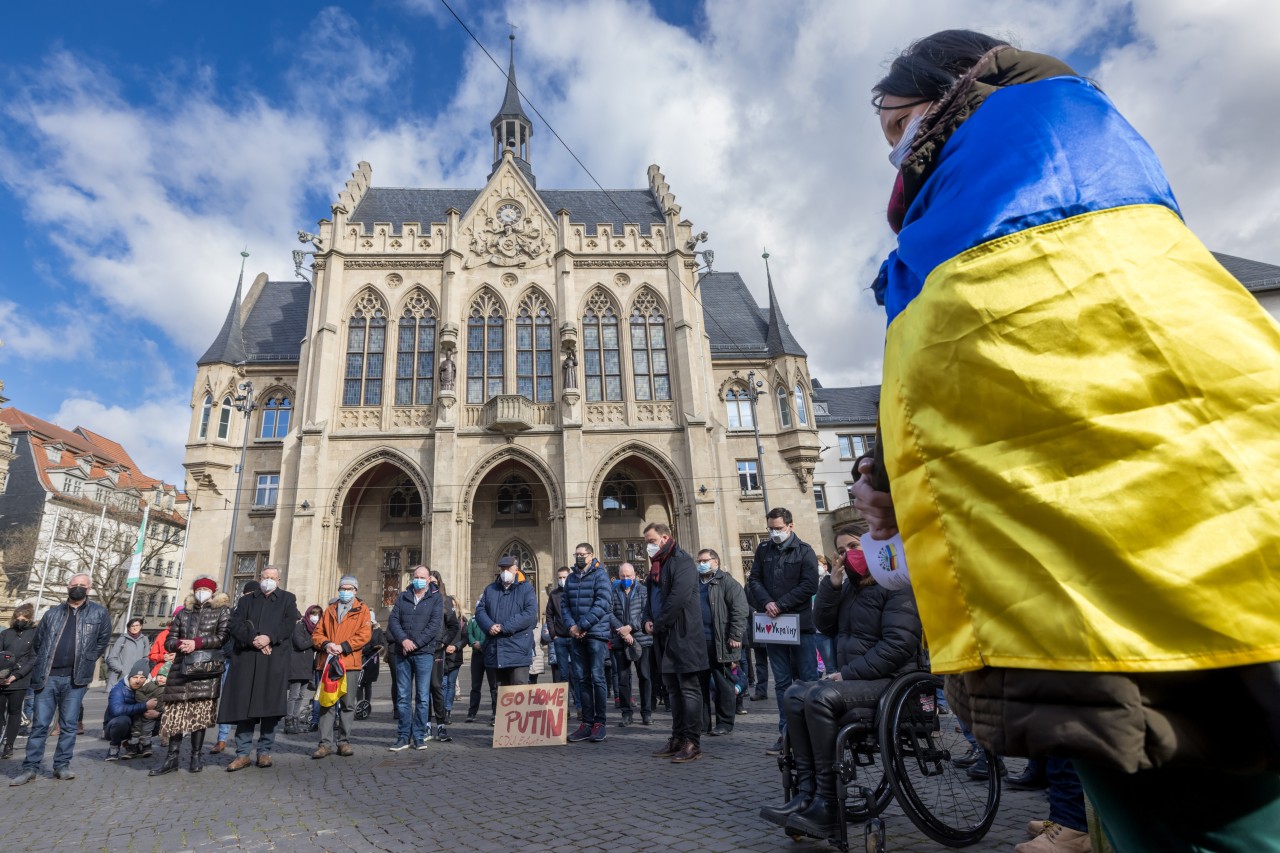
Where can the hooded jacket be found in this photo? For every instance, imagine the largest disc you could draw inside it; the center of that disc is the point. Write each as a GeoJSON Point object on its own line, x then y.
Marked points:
{"type": "Point", "coordinates": [20, 644]}
{"type": "Point", "coordinates": [124, 652]}
{"type": "Point", "coordinates": [93, 632]}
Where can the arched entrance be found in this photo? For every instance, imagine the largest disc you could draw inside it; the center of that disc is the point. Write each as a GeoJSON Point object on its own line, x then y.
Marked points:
{"type": "Point", "coordinates": [383, 533]}
{"type": "Point", "coordinates": [511, 515]}
{"type": "Point", "coordinates": [629, 491]}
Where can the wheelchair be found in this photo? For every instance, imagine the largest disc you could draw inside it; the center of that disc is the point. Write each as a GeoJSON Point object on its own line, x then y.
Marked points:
{"type": "Point", "coordinates": [903, 750]}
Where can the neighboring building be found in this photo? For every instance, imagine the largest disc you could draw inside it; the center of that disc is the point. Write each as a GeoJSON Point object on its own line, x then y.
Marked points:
{"type": "Point", "coordinates": [504, 370]}
{"type": "Point", "coordinates": [74, 503]}
{"type": "Point", "coordinates": [847, 420]}
{"type": "Point", "coordinates": [1260, 279]}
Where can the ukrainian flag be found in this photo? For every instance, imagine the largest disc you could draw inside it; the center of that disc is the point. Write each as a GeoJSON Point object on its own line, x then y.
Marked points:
{"type": "Point", "coordinates": [1081, 407]}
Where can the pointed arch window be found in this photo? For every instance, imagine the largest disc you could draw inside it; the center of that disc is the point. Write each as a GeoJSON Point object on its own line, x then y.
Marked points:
{"type": "Point", "coordinates": [485, 341]}
{"type": "Point", "coordinates": [515, 499]}
{"type": "Point", "coordinates": [224, 417]}
{"type": "Point", "coordinates": [784, 408]}
{"type": "Point", "coordinates": [416, 352]}
{"type": "Point", "coordinates": [405, 501]}
{"type": "Point", "coordinates": [602, 357]}
{"type": "Point", "coordinates": [802, 412]}
{"type": "Point", "coordinates": [650, 373]}
{"type": "Point", "coordinates": [738, 405]}
{"type": "Point", "coordinates": [206, 410]}
{"type": "Point", "coordinates": [276, 413]}
{"type": "Point", "coordinates": [523, 555]}
{"type": "Point", "coordinates": [534, 362]}
{"type": "Point", "coordinates": [619, 496]}
{"type": "Point", "coordinates": [366, 351]}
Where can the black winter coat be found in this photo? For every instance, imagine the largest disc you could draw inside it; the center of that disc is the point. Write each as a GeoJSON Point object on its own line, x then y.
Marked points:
{"type": "Point", "coordinates": [450, 635]}
{"type": "Point", "coordinates": [372, 654]}
{"type": "Point", "coordinates": [22, 645]}
{"type": "Point", "coordinates": [679, 625]}
{"type": "Point", "coordinates": [418, 620]}
{"type": "Point", "coordinates": [877, 632]}
{"type": "Point", "coordinates": [209, 625]}
{"type": "Point", "coordinates": [257, 684]}
{"type": "Point", "coordinates": [302, 654]}
{"type": "Point", "coordinates": [729, 614]}
{"type": "Point", "coordinates": [554, 624]}
{"type": "Point", "coordinates": [93, 632]}
{"type": "Point", "coordinates": [787, 575]}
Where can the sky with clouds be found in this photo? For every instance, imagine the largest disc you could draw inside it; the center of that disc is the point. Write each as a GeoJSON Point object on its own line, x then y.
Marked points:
{"type": "Point", "coordinates": [144, 145]}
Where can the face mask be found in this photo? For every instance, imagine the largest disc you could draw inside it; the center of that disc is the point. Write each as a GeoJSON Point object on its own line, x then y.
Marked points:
{"type": "Point", "coordinates": [22, 623]}
{"type": "Point", "coordinates": [267, 586]}
{"type": "Point", "coordinates": [627, 582]}
{"type": "Point", "coordinates": [508, 577]}
{"type": "Point", "coordinates": [203, 595]}
{"type": "Point", "coordinates": [856, 562]}
{"type": "Point", "coordinates": [77, 593]}
{"type": "Point", "coordinates": [580, 561]}
{"type": "Point", "coordinates": [778, 536]}
{"type": "Point", "coordinates": [419, 583]}
{"type": "Point", "coordinates": [561, 582]}
{"type": "Point", "coordinates": [345, 595]}
{"type": "Point", "coordinates": [652, 549]}
{"type": "Point", "coordinates": [899, 153]}
{"type": "Point", "coordinates": [704, 568]}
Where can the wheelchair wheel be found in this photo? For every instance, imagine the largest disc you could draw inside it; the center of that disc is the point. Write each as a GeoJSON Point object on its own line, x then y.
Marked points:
{"type": "Point", "coordinates": [363, 709]}
{"type": "Point", "coordinates": [937, 796]}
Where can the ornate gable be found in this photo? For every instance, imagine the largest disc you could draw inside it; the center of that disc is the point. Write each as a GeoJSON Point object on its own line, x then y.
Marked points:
{"type": "Point", "coordinates": [508, 225]}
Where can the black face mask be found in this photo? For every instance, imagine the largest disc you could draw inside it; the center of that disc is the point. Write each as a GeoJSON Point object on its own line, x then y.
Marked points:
{"type": "Point", "coordinates": [579, 561]}
{"type": "Point", "coordinates": [22, 624]}
{"type": "Point", "coordinates": [77, 593]}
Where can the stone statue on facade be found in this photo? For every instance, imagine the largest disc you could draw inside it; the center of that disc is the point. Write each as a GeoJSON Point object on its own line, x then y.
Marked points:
{"type": "Point", "coordinates": [448, 372]}
{"type": "Point", "coordinates": [570, 371]}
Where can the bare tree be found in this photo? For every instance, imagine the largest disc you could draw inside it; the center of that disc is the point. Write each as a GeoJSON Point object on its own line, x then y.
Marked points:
{"type": "Point", "coordinates": [17, 552]}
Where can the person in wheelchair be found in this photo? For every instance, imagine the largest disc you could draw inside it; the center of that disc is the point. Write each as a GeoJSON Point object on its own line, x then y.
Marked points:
{"type": "Point", "coordinates": [877, 637]}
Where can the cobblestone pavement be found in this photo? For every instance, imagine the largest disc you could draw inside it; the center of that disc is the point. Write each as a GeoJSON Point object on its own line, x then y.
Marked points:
{"type": "Point", "coordinates": [459, 796]}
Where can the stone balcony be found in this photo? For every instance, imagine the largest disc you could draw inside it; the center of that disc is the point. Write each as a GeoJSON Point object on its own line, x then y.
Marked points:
{"type": "Point", "coordinates": [509, 414]}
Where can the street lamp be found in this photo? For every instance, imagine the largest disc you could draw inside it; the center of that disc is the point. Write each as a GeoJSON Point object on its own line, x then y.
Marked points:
{"type": "Point", "coordinates": [246, 404]}
{"type": "Point", "coordinates": [753, 393]}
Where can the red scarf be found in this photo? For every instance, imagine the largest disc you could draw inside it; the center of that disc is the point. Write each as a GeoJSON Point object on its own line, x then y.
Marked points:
{"type": "Point", "coordinates": [897, 205]}
{"type": "Point", "coordinates": [655, 562]}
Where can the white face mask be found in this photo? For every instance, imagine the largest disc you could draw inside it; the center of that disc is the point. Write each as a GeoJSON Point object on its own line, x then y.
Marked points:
{"type": "Point", "coordinates": [652, 548]}
{"type": "Point", "coordinates": [203, 595]}
{"type": "Point", "coordinates": [899, 153]}
{"type": "Point", "coordinates": [778, 536]}
{"type": "Point", "coordinates": [267, 585]}
{"type": "Point", "coordinates": [561, 582]}
{"type": "Point", "coordinates": [507, 577]}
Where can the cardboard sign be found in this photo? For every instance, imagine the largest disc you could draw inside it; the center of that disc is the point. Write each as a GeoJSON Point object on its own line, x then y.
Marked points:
{"type": "Point", "coordinates": [532, 715]}
{"type": "Point", "coordinates": [785, 628]}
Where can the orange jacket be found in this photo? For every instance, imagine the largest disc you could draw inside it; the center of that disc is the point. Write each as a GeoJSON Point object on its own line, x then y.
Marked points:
{"type": "Point", "coordinates": [157, 653]}
{"type": "Point", "coordinates": [352, 633]}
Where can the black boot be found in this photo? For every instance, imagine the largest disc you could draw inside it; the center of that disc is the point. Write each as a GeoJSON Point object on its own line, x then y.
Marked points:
{"type": "Point", "coordinates": [1031, 779]}
{"type": "Point", "coordinates": [171, 757]}
{"type": "Point", "coordinates": [197, 751]}
{"type": "Point", "coordinates": [819, 819]}
{"type": "Point", "coordinates": [778, 815]}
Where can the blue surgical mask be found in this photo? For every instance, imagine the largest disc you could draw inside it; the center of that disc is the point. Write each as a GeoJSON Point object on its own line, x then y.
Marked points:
{"type": "Point", "coordinates": [419, 583]}
{"type": "Point", "coordinates": [704, 568]}
{"type": "Point", "coordinates": [345, 595]}
{"type": "Point", "coordinates": [627, 582]}
{"type": "Point", "coordinates": [898, 155]}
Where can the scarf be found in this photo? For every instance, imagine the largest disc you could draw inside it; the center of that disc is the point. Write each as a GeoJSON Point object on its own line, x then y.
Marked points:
{"type": "Point", "coordinates": [655, 563]}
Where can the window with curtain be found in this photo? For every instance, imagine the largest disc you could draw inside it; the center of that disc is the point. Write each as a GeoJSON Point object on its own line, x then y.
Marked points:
{"type": "Point", "coordinates": [802, 412]}
{"type": "Point", "coordinates": [601, 354]}
{"type": "Point", "coordinates": [224, 417]}
{"type": "Point", "coordinates": [366, 352]}
{"type": "Point", "coordinates": [738, 407]}
{"type": "Point", "coordinates": [416, 352]}
{"type": "Point", "coordinates": [650, 374]}
{"type": "Point", "coordinates": [205, 411]}
{"type": "Point", "coordinates": [485, 341]}
{"type": "Point", "coordinates": [275, 416]}
{"type": "Point", "coordinates": [534, 353]}
{"type": "Point", "coordinates": [784, 408]}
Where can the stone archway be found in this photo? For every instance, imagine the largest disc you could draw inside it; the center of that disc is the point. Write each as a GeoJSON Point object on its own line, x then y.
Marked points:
{"type": "Point", "coordinates": [632, 486]}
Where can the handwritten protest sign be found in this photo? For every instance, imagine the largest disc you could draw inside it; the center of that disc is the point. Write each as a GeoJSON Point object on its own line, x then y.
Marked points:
{"type": "Point", "coordinates": [784, 629]}
{"type": "Point", "coordinates": [532, 715]}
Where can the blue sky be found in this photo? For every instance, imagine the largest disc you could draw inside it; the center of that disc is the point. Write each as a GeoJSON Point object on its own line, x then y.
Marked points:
{"type": "Point", "coordinates": [143, 145]}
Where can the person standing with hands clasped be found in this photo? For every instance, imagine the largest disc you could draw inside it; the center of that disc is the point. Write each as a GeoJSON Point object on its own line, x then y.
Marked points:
{"type": "Point", "coordinates": [343, 631]}
{"type": "Point", "coordinates": [19, 641]}
{"type": "Point", "coordinates": [414, 626]}
{"type": "Point", "coordinates": [506, 613]}
{"type": "Point", "coordinates": [631, 644]}
{"type": "Point", "coordinates": [784, 580]}
{"type": "Point", "coordinates": [588, 601]}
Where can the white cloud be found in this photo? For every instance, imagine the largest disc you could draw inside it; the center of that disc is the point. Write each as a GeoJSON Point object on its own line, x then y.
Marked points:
{"type": "Point", "coordinates": [61, 338]}
{"type": "Point", "coordinates": [153, 432]}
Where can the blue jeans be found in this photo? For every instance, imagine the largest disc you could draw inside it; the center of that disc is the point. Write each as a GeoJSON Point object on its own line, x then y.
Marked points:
{"type": "Point", "coordinates": [413, 681]}
{"type": "Point", "coordinates": [566, 659]}
{"type": "Point", "coordinates": [826, 648]}
{"type": "Point", "coordinates": [117, 729]}
{"type": "Point", "coordinates": [588, 662]}
{"type": "Point", "coordinates": [449, 682]}
{"type": "Point", "coordinates": [60, 695]}
{"type": "Point", "coordinates": [1066, 795]}
{"type": "Point", "coordinates": [791, 664]}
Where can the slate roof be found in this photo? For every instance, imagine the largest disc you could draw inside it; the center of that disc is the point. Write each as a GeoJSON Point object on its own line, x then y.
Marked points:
{"type": "Point", "coordinates": [1256, 276]}
{"type": "Point", "coordinates": [588, 208]}
{"type": "Point", "coordinates": [271, 331]}
{"type": "Point", "coordinates": [511, 107]}
{"type": "Point", "coordinates": [779, 339]}
{"type": "Point", "coordinates": [738, 328]}
{"type": "Point", "coordinates": [228, 346]}
{"type": "Point", "coordinates": [857, 405]}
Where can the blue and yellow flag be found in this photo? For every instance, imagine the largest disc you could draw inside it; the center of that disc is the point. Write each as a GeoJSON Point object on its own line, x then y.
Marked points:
{"type": "Point", "coordinates": [1081, 407]}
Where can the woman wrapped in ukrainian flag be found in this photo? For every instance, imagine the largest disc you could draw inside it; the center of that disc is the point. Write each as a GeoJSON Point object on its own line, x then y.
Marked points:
{"type": "Point", "coordinates": [1080, 416]}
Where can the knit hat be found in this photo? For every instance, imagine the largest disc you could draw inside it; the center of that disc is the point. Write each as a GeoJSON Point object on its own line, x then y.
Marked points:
{"type": "Point", "coordinates": [140, 667]}
{"type": "Point", "coordinates": [164, 669]}
{"type": "Point", "coordinates": [205, 582]}
{"type": "Point", "coordinates": [349, 580]}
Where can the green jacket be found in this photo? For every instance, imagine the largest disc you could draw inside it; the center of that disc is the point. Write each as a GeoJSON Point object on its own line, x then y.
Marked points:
{"type": "Point", "coordinates": [728, 602]}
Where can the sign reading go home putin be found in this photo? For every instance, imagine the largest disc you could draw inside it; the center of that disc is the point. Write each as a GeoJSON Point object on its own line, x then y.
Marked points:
{"type": "Point", "coordinates": [783, 628]}
{"type": "Point", "coordinates": [532, 715]}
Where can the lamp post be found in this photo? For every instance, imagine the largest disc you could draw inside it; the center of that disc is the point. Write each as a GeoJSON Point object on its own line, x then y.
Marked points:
{"type": "Point", "coordinates": [753, 393]}
{"type": "Point", "coordinates": [245, 404]}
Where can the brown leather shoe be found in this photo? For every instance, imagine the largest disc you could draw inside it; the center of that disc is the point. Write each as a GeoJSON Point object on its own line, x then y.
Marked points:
{"type": "Point", "coordinates": [345, 750]}
{"type": "Point", "coordinates": [672, 747]}
{"type": "Point", "coordinates": [690, 751]}
{"type": "Point", "coordinates": [264, 761]}
{"type": "Point", "coordinates": [241, 762]}
{"type": "Point", "coordinates": [322, 751]}
{"type": "Point", "coordinates": [217, 747]}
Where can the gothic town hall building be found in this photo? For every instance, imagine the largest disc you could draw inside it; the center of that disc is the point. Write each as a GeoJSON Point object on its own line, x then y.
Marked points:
{"type": "Point", "coordinates": [503, 370]}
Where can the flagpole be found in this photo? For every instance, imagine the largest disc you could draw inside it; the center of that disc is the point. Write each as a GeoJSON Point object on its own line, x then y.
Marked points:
{"type": "Point", "coordinates": [97, 540]}
{"type": "Point", "coordinates": [57, 511]}
{"type": "Point", "coordinates": [135, 565]}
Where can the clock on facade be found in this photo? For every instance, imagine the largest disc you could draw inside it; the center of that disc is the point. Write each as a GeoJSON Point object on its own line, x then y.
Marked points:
{"type": "Point", "coordinates": [509, 213]}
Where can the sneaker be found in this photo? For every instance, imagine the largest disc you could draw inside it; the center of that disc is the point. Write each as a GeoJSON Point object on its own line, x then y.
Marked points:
{"type": "Point", "coordinates": [399, 745]}
{"type": "Point", "coordinates": [442, 735]}
{"type": "Point", "coordinates": [1057, 838]}
{"type": "Point", "coordinates": [471, 718]}
{"type": "Point", "coordinates": [583, 732]}
{"type": "Point", "coordinates": [598, 733]}
{"type": "Point", "coordinates": [422, 744]}
{"type": "Point", "coordinates": [646, 720]}
{"type": "Point", "coordinates": [720, 731]}
{"type": "Point", "coordinates": [969, 759]}
{"type": "Point", "coordinates": [626, 720]}
{"type": "Point", "coordinates": [113, 753]}
{"type": "Point", "coordinates": [776, 749]}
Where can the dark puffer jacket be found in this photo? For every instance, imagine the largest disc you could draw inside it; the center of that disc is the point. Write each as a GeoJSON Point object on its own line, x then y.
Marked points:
{"type": "Point", "coordinates": [209, 624]}
{"type": "Point", "coordinates": [588, 600]}
{"type": "Point", "coordinates": [20, 644]}
{"type": "Point", "coordinates": [877, 632]}
{"type": "Point", "coordinates": [629, 609]}
{"type": "Point", "coordinates": [515, 608]}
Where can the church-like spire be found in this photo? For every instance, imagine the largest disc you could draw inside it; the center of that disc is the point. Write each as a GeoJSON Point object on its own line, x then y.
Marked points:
{"type": "Point", "coordinates": [511, 127]}
{"type": "Point", "coordinates": [228, 346]}
{"type": "Point", "coordinates": [780, 340]}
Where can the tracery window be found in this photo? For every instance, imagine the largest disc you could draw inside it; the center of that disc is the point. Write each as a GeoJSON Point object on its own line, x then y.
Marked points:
{"type": "Point", "coordinates": [650, 373]}
{"type": "Point", "coordinates": [366, 351]}
{"type": "Point", "coordinates": [618, 495]}
{"type": "Point", "coordinates": [523, 555]}
{"type": "Point", "coordinates": [738, 407]}
{"type": "Point", "coordinates": [416, 352]}
{"type": "Point", "coordinates": [405, 502]}
{"type": "Point", "coordinates": [515, 498]}
{"type": "Point", "coordinates": [275, 416]}
{"type": "Point", "coordinates": [485, 340]}
{"type": "Point", "coordinates": [602, 358]}
{"type": "Point", "coordinates": [534, 361]}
